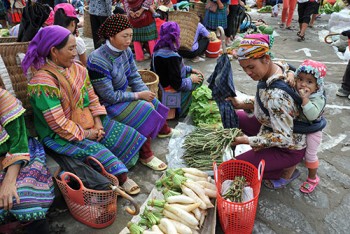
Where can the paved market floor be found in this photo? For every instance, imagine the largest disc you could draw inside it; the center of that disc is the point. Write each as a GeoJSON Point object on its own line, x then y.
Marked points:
{"type": "Point", "coordinates": [326, 210]}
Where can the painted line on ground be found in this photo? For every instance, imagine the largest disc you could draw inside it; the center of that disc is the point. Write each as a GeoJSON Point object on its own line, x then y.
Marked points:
{"type": "Point", "coordinates": [300, 61]}
{"type": "Point", "coordinates": [338, 107]}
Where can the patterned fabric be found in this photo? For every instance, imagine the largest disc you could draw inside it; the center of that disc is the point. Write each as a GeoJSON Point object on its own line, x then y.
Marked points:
{"type": "Point", "coordinates": [39, 48]}
{"type": "Point", "coordinates": [10, 109]}
{"type": "Point", "coordinates": [277, 128]}
{"type": "Point", "coordinates": [145, 34]}
{"type": "Point", "coordinates": [221, 84]}
{"type": "Point", "coordinates": [34, 184]}
{"type": "Point", "coordinates": [52, 106]}
{"type": "Point", "coordinates": [254, 46]}
{"type": "Point", "coordinates": [100, 8]}
{"type": "Point", "coordinates": [117, 151]}
{"type": "Point", "coordinates": [212, 20]}
{"type": "Point", "coordinates": [113, 25]}
{"type": "Point", "coordinates": [111, 74]}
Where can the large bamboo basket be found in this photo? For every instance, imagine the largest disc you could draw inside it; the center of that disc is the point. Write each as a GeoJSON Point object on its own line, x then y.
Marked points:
{"type": "Point", "coordinates": [16, 82]}
{"type": "Point", "coordinates": [198, 8]}
{"type": "Point", "coordinates": [188, 23]}
{"type": "Point", "coordinates": [87, 24]}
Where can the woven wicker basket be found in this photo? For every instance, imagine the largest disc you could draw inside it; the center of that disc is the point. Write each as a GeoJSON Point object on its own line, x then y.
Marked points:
{"type": "Point", "coordinates": [151, 79]}
{"type": "Point", "coordinates": [8, 39]}
{"type": "Point", "coordinates": [87, 24]}
{"type": "Point", "coordinates": [188, 23]}
{"type": "Point", "coordinates": [198, 8]}
{"type": "Point", "coordinates": [18, 80]}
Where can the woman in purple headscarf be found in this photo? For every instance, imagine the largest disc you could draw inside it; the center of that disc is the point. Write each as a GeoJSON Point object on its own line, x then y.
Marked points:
{"type": "Point", "coordinates": [59, 90]}
{"type": "Point", "coordinates": [173, 74]}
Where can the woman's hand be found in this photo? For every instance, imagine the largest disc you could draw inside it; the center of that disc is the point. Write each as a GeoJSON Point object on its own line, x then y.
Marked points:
{"type": "Point", "coordinates": [220, 5]}
{"type": "Point", "coordinates": [195, 71]}
{"type": "Point", "coordinates": [146, 95]}
{"type": "Point", "coordinates": [132, 14]}
{"type": "Point", "coordinates": [196, 78]}
{"type": "Point", "coordinates": [139, 12]}
{"type": "Point", "coordinates": [94, 134]}
{"type": "Point", "coordinates": [290, 79]}
{"type": "Point", "coordinates": [98, 126]}
{"type": "Point", "coordinates": [8, 189]}
{"type": "Point", "coordinates": [240, 140]}
{"type": "Point", "coordinates": [236, 102]}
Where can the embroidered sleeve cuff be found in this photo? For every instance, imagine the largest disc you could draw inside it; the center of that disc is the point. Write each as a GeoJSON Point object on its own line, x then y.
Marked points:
{"type": "Point", "coordinates": [11, 159]}
{"type": "Point", "coordinates": [186, 84]}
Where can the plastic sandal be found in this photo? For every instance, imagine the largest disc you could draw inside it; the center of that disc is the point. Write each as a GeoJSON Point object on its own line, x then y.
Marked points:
{"type": "Point", "coordinates": [281, 183]}
{"type": "Point", "coordinates": [154, 164]}
{"type": "Point", "coordinates": [309, 185]}
{"type": "Point", "coordinates": [130, 187]}
{"type": "Point", "coordinates": [301, 37]}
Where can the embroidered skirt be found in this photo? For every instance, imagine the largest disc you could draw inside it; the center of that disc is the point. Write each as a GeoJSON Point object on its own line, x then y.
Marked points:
{"type": "Point", "coordinates": [34, 187]}
{"type": "Point", "coordinates": [145, 34]}
{"type": "Point", "coordinates": [212, 20]}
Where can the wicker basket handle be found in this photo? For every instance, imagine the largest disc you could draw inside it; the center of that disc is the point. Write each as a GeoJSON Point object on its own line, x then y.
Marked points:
{"type": "Point", "coordinates": [330, 35]}
{"type": "Point", "coordinates": [136, 210]}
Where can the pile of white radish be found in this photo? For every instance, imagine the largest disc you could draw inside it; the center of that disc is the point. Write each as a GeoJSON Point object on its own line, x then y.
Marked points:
{"type": "Point", "coordinates": [185, 213]}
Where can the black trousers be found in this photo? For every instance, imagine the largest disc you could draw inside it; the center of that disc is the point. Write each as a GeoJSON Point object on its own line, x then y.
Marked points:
{"type": "Point", "coordinates": [202, 46]}
{"type": "Point", "coordinates": [346, 78]}
{"type": "Point", "coordinates": [230, 30]}
{"type": "Point", "coordinates": [96, 22]}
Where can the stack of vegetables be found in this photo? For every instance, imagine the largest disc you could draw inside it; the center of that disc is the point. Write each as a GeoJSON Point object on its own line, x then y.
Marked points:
{"type": "Point", "coordinates": [330, 6]}
{"type": "Point", "coordinates": [265, 9]}
{"type": "Point", "coordinates": [187, 193]}
{"type": "Point", "coordinates": [203, 109]}
{"type": "Point", "coordinates": [203, 146]}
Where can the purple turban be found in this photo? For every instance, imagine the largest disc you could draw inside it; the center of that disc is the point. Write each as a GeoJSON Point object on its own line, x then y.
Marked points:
{"type": "Point", "coordinates": [169, 36]}
{"type": "Point", "coordinates": [39, 48]}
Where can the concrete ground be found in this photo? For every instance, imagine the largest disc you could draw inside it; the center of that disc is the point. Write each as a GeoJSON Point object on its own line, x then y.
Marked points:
{"type": "Point", "coordinates": [287, 210]}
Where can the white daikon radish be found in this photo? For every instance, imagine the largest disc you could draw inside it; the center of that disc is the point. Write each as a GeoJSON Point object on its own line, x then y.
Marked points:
{"type": "Point", "coordinates": [183, 199]}
{"type": "Point", "coordinates": [155, 228]}
{"type": "Point", "coordinates": [204, 214]}
{"type": "Point", "coordinates": [200, 192]}
{"type": "Point", "coordinates": [210, 193]}
{"type": "Point", "coordinates": [151, 232]}
{"type": "Point", "coordinates": [162, 228]}
{"type": "Point", "coordinates": [169, 226]}
{"type": "Point", "coordinates": [173, 216]}
{"type": "Point", "coordinates": [187, 208]}
{"type": "Point", "coordinates": [193, 195]}
{"type": "Point", "coordinates": [183, 214]}
{"type": "Point", "coordinates": [207, 185]}
{"type": "Point", "coordinates": [197, 213]}
{"type": "Point", "coordinates": [195, 232]}
{"type": "Point", "coordinates": [196, 172]}
{"type": "Point", "coordinates": [194, 178]}
{"type": "Point", "coordinates": [181, 228]}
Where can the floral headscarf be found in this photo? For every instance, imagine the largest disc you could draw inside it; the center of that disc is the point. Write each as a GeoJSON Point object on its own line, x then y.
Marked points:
{"type": "Point", "coordinates": [254, 46]}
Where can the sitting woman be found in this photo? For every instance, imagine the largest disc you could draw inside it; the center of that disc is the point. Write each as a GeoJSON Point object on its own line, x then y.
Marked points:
{"type": "Point", "coordinates": [66, 17]}
{"type": "Point", "coordinates": [173, 74]}
{"type": "Point", "coordinates": [270, 131]}
{"type": "Point", "coordinates": [26, 188]}
{"type": "Point", "coordinates": [200, 44]}
{"type": "Point", "coordinates": [112, 70]}
{"type": "Point", "coordinates": [68, 116]}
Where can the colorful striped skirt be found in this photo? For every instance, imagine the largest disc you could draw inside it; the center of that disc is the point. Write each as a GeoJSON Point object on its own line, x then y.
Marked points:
{"type": "Point", "coordinates": [147, 118]}
{"type": "Point", "coordinates": [145, 34]}
{"type": "Point", "coordinates": [117, 151]}
{"type": "Point", "coordinates": [212, 20]}
{"type": "Point", "coordinates": [34, 187]}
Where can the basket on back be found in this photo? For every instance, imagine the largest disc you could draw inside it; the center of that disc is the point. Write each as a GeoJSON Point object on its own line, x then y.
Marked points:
{"type": "Point", "coordinates": [188, 23]}
{"type": "Point", "coordinates": [198, 8]}
{"type": "Point", "coordinates": [87, 24]}
{"type": "Point", "coordinates": [12, 76]}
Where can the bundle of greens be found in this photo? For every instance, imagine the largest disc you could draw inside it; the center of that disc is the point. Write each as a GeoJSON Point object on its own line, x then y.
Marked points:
{"type": "Point", "coordinates": [205, 145]}
{"type": "Point", "coordinates": [204, 110]}
{"type": "Point", "coordinates": [235, 192]}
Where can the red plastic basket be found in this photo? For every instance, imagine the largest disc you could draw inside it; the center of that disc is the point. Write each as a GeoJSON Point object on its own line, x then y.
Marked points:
{"type": "Point", "coordinates": [97, 209]}
{"type": "Point", "coordinates": [238, 217]}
